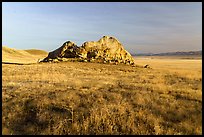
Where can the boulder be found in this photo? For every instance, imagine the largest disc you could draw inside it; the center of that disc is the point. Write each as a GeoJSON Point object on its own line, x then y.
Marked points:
{"type": "Point", "coordinates": [147, 66]}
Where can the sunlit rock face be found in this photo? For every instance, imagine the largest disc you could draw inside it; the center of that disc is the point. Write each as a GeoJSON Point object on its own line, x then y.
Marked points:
{"type": "Point", "coordinates": [106, 50]}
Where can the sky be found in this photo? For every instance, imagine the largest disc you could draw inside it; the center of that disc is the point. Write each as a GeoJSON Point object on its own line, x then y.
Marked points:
{"type": "Point", "coordinates": [142, 27]}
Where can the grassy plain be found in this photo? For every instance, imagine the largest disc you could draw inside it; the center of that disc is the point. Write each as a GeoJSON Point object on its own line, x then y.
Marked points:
{"type": "Point", "coordinates": [90, 98]}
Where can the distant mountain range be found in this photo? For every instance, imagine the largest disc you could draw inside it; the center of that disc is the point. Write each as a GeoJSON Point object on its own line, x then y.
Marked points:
{"type": "Point", "coordinates": [179, 53]}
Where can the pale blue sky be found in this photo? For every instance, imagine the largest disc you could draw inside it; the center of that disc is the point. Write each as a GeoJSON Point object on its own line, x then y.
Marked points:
{"type": "Point", "coordinates": [141, 27]}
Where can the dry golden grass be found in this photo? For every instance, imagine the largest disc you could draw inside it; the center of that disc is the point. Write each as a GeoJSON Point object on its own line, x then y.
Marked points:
{"type": "Point", "coordinates": [174, 64]}
{"type": "Point", "coordinates": [90, 98]}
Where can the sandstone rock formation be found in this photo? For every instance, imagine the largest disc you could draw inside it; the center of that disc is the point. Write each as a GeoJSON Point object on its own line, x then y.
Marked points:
{"type": "Point", "coordinates": [106, 50]}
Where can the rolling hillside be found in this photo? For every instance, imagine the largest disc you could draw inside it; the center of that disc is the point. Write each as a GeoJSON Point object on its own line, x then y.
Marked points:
{"type": "Point", "coordinates": [11, 55]}
{"type": "Point", "coordinates": [36, 52]}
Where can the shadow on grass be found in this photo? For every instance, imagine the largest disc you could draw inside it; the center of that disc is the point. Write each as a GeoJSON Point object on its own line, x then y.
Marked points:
{"type": "Point", "coordinates": [35, 120]}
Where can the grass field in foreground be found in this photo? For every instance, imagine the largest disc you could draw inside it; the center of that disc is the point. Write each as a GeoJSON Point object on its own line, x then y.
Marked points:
{"type": "Point", "coordinates": [91, 98]}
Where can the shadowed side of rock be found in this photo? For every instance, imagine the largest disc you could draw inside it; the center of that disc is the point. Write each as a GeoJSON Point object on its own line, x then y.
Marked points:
{"type": "Point", "coordinates": [67, 50]}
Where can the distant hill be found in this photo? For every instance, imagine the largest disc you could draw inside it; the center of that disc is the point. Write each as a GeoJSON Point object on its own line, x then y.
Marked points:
{"type": "Point", "coordinates": [12, 55]}
{"type": "Point", "coordinates": [179, 53]}
{"type": "Point", "coordinates": [36, 51]}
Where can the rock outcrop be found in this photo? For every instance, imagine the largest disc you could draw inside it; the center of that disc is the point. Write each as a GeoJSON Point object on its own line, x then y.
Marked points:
{"type": "Point", "coordinates": [106, 50]}
{"type": "Point", "coordinates": [67, 50]}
